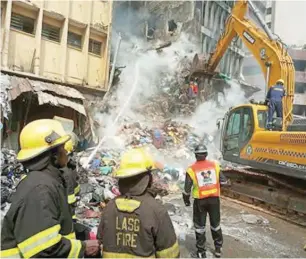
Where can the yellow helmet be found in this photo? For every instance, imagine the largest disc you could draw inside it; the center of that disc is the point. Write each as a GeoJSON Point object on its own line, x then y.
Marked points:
{"type": "Point", "coordinates": [39, 136]}
{"type": "Point", "coordinates": [69, 146]}
{"type": "Point", "coordinates": [280, 81]}
{"type": "Point", "coordinates": [134, 162]}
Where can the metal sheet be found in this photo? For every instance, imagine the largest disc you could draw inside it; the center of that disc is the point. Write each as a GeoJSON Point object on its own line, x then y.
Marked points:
{"type": "Point", "coordinates": [58, 89]}
{"type": "Point", "coordinates": [19, 85]}
{"type": "Point", "coordinates": [44, 98]}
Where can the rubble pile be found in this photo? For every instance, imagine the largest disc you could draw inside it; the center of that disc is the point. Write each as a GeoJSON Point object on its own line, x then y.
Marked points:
{"type": "Point", "coordinates": [11, 172]}
{"type": "Point", "coordinates": [171, 145]}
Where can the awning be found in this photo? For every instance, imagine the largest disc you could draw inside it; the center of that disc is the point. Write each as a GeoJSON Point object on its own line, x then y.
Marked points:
{"type": "Point", "coordinates": [47, 93]}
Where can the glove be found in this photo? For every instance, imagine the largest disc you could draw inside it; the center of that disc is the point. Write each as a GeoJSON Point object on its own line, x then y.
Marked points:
{"type": "Point", "coordinates": [92, 247]}
{"type": "Point", "coordinates": [186, 199]}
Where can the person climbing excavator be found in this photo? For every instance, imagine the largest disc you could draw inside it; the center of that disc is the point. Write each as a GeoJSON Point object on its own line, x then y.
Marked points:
{"type": "Point", "coordinates": [274, 100]}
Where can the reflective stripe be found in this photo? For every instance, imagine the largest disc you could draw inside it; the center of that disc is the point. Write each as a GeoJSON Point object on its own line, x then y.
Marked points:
{"type": "Point", "coordinates": [77, 189]}
{"type": "Point", "coordinates": [71, 199]}
{"type": "Point", "coordinates": [10, 253]}
{"type": "Point", "coordinates": [215, 229]}
{"type": "Point", "coordinates": [171, 252]}
{"type": "Point", "coordinates": [23, 176]}
{"type": "Point", "coordinates": [76, 246]}
{"type": "Point", "coordinates": [74, 217]}
{"type": "Point", "coordinates": [209, 192]}
{"type": "Point", "coordinates": [40, 241]}
{"type": "Point", "coordinates": [186, 193]}
{"type": "Point", "coordinates": [127, 205]}
{"type": "Point", "coordinates": [200, 230]}
{"type": "Point", "coordinates": [70, 236]}
{"type": "Point", "coordinates": [121, 255]}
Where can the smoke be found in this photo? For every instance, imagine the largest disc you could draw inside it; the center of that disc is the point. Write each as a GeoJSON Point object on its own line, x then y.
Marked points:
{"type": "Point", "coordinates": [142, 78]}
{"type": "Point", "coordinates": [146, 74]}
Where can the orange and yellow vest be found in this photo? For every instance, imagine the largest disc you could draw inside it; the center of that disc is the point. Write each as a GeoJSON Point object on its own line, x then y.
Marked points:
{"type": "Point", "coordinates": [205, 177]}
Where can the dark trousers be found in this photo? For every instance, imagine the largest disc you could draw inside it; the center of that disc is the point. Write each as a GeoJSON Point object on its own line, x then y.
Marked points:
{"type": "Point", "coordinates": [275, 106]}
{"type": "Point", "coordinates": [200, 209]}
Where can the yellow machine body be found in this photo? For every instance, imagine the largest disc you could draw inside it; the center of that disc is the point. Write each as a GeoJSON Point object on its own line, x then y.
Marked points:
{"type": "Point", "coordinates": [280, 151]}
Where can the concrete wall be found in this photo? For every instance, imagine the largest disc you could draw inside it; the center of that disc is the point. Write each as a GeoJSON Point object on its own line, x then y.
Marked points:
{"type": "Point", "coordinates": [214, 15]}
{"type": "Point", "coordinates": [55, 59]}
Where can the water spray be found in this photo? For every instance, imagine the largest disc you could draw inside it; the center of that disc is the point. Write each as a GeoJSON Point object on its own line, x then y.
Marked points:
{"type": "Point", "coordinates": [93, 153]}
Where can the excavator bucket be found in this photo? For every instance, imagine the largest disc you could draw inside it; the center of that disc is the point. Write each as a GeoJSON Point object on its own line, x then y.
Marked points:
{"type": "Point", "coordinates": [199, 65]}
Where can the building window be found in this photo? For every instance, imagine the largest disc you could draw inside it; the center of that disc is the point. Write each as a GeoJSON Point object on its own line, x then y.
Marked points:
{"type": "Point", "coordinates": [300, 65]}
{"type": "Point", "coordinates": [269, 11]}
{"type": "Point", "coordinates": [75, 40]}
{"type": "Point", "coordinates": [22, 23]}
{"type": "Point", "coordinates": [50, 32]}
{"type": "Point", "coordinates": [94, 47]}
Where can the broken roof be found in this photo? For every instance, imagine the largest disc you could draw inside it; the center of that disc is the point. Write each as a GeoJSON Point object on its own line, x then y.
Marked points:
{"type": "Point", "coordinates": [53, 94]}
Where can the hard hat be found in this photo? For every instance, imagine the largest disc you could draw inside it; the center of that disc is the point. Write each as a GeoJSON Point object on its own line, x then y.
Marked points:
{"type": "Point", "coordinates": [69, 146]}
{"type": "Point", "coordinates": [134, 162]}
{"type": "Point", "coordinates": [72, 143]}
{"type": "Point", "coordinates": [200, 149]}
{"type": "Point", "coordinates": [39, 136]}
{"type": "Point", "coordinates": [280, 81]}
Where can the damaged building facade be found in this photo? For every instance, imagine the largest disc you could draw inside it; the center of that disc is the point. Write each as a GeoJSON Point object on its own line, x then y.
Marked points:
{"type": "Point", "coordinates": [165, 20]}
{"type": "Point", "coordinates": [55, 60]}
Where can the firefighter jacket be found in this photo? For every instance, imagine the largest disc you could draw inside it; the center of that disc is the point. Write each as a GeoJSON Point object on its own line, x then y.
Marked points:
{"type": "Point", "coordinates": [39, 223]}
{"type": "Point", "coordinates": [73, 188]}
{"type": "Point", "coordinates": [204, 179]}
{"type": "Point", "coordinates": [137, 226]}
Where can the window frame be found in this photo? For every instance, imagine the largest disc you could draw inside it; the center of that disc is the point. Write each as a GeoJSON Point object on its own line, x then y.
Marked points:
{"type": "Point", "coordinates": [50, 39]}
{"type": "Point", "coordinates": [238, 111]}
{"type": "Point", "coordinates": [25, 18]}
{"type": "Point", "coordinates": [74, 45]}
{"type": "Point", "coordinates": [265, 118]}
{"type": "Point", "coordinates": [91, 48]}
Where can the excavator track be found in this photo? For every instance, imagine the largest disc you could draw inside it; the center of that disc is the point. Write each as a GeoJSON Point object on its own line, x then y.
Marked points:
{"type": "Point", "coordinates": [259, 189]}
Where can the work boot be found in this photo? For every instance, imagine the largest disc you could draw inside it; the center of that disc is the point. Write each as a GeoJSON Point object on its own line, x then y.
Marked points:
{"type": "Point", "coordinates": [197, 254]}
{"type": "Point", "coordinates": [218, 252]}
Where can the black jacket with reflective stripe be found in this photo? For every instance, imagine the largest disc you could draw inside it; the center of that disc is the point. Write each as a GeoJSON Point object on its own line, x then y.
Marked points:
{"type": "Point", "coordinates": [39, 219]}
{"type": "Point", "coordinates": [72, 187]}
{"type": "Point", "coordinates": [137, 227]}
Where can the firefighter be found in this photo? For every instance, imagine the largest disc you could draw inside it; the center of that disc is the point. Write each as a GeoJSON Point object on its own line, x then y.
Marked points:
{"type": "Point", "coordinates": [204, 178]}
{"type": "Point", "coordinates": [39, 222]}
{"type": "Point", "coordinates": [71, 178]}
{"type": "Point", "coordinates": [134, 224]}
{"type": "Point", "coordinates": [275, 101]}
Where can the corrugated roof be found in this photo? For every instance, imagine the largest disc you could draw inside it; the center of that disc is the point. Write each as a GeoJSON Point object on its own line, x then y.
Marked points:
{"type": "Point", "coordinates": [58, 89]}
{"type": "Point", "coordinates": [19, 85]}
{"type": "Point", "coordinates": [44, 98]}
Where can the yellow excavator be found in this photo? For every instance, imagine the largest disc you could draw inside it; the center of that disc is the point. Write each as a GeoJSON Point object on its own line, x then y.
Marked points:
{"type": "Point", "coordinates": [279, 154]}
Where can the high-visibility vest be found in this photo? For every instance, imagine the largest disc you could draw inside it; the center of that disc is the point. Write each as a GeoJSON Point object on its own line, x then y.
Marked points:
{"type": "Point", "coordinates": [205, 177]}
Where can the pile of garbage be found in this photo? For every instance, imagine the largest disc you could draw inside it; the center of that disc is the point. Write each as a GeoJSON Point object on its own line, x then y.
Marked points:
{"type": "Point", "coordinates": [171, 144]}
{"type": "Point", "coordinates": [11, 172]}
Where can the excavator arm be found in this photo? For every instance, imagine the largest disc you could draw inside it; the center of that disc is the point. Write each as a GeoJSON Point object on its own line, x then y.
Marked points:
{"type": "Point", "coordinates": [272, 57]}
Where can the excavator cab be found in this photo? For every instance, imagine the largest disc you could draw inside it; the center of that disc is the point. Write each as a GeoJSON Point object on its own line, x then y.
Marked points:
{"type": "Point", "coordinates": [239, 125]}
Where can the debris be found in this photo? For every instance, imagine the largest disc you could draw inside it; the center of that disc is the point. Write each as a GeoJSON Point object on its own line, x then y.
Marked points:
{"type": "Point", "coordinates": [254, 219]}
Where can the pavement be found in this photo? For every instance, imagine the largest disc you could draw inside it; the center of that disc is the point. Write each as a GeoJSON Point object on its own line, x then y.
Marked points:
{"type": "Point", "coordinates": [246, 232]}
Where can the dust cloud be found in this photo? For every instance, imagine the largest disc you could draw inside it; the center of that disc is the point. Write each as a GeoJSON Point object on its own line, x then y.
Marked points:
{"type": "Point", "coordinates": [146, 73]}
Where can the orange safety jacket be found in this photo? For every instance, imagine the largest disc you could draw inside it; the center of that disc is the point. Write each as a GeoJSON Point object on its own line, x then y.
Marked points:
{"type": "Point", "coordinates": [205, 176]}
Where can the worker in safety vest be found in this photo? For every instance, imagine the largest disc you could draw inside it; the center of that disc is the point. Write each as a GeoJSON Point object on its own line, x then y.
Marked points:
{"type": "Point", "coordinates": [275, 101]}
{"type": "Point", "coordinates": [39, 222]}
{"type": "Point", "coordinates": [204, 178]}
{"type": "Point", "coordinates": [134, 224]}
